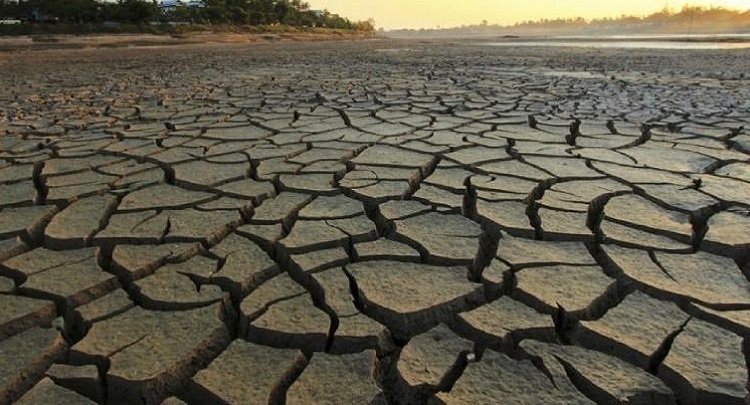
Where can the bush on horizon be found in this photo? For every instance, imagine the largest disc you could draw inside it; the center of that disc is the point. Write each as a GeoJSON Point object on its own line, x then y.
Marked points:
{"type": "Point", "coordinates": [145, 16]}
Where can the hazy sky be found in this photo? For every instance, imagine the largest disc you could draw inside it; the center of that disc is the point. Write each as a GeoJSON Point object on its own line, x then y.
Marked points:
{"type": "Point", "coordinates": [450, 13]}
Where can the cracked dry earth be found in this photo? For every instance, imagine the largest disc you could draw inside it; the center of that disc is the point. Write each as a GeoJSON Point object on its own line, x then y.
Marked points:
{"type": "Point", "coordinates": [374, 223]}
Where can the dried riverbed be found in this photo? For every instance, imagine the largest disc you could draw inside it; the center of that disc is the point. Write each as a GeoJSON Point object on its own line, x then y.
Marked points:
{"type": "Point", "coordinates": [374, 222]}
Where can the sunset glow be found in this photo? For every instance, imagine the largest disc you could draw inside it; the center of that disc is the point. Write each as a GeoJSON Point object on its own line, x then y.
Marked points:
{"type": "Point", "coordinates": [390, 14]}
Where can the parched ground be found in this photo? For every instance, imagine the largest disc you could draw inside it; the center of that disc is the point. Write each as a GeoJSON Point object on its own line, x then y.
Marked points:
{"type": "Point", "coordinates": [374, 222]}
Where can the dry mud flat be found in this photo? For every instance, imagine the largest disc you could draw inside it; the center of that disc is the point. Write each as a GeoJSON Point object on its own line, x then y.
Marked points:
{"type": "Point", "coordinates": [50, 42]}
{"type": "Point", "coordinates": [374, 223]}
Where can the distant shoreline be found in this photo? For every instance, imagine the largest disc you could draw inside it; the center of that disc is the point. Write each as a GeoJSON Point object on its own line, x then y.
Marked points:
{"type": "Point", "coordinates": [637, 40]}
{"type": "Point", "coordinates": [24, 43]}
{"type": "Point", "coordinates": [635, 36]}
{"type": "Point", "coordinates": [724, 38]}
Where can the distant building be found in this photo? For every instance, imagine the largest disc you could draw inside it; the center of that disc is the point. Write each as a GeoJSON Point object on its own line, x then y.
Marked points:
{"type": "Point", "coordinates": [169, 6]}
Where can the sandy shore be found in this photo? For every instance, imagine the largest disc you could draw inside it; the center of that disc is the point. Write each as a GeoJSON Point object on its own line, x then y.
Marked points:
{"type": "Point", "coordinates": [373, 222]}
{"type": "Point", "coordinates": [68, 42]}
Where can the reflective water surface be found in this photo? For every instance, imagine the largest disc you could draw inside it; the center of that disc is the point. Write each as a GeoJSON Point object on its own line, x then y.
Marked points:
{"type": "Point", "coordinates": [724, 41]}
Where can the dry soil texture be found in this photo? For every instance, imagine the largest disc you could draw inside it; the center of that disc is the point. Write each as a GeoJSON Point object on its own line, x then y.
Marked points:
{"type": "Point", "coordinates": [374, 223]}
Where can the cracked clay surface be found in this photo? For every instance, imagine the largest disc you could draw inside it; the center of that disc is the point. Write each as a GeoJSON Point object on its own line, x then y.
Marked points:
{"type": "Point", "coordinates": [374, 222]}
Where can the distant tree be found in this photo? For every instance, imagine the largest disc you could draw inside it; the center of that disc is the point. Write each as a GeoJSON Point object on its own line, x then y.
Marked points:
{"type": "Point", "coordinates": [136, 11]}
{"type": "Point", "coordinates": [8, 9]}
{"type": "Point", "coordinates": [74, 11]}
{"type": "Point", "coordinates": [365, 26]}
{"type": "Point", "coordinates": [240, 12]}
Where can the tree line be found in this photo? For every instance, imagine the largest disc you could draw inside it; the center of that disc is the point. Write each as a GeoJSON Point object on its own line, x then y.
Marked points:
{"type": "Point", "coordinates": [239, 12]}
{"type": "Point", "coordinates": [688, 19]}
